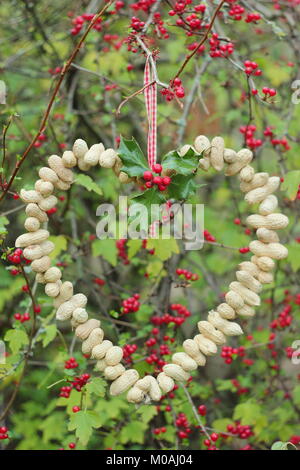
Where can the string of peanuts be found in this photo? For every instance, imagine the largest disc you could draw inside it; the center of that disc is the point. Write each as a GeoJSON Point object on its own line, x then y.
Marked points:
{"type": "Point", "coordinates": [243, 294]}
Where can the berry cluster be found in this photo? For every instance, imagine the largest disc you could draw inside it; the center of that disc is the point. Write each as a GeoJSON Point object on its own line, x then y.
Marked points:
{"type": "Point", "coordinates": [3, 433]}
{"type": "Point", "coordinates": [79, 21]}
{"type": "Point", "coordinates": [181, 310]}
{"type": "Point", "coordinates": [188, 275]}
{"type": "Point", "coordinates": [131, 304]}
{"type": "Point", "coordinates": [212, 438]}
{"type": "Point", "coordinates": [121, 247]}
{"type": "Point", "coordinates": [208, 236]}
{"type": "Point", "coordinates": [17, 257]}
{"type": "Point", "coordinates": [77, 384]}
{"type": "Point", "coordinates": [41, 138]}
{"type": "Point", "coordinates": [151, 180]}
{"type": "Point", "coordinates": [251, 68]}
{"type": "Point", "coordinates": [175, 89]}
{"type": "Point", "coordinates": [251, 141]}
{"type": "Point", "coordinates": [268, 132]}
{"type": "Point", "coordinates": [158, 431]}
{"type": "Point", "coordinates": [155, 356]}
{"type": "Point", "coordinates": [284, 318]}
{"type": "Point", "coordinates": [71, 363]}
{"type": "Point", "coordinates": [183, 426]}
{"type": "Point", "coordinates": [128, 350]}
{"type": "Point", "coordinates": [22, 318]}
{"type": "Point", "coordinates": [228, 352]}
{"type": "Point", "coordinates": [243, 432]}
{"type": "Point", "coordinates": [220, 50]}
{"type": "Point", "coordinates": [239, 389]}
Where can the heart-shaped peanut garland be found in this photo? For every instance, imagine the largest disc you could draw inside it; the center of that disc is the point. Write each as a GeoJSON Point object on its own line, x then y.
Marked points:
{"type": "Point", "coordinates": [243, 294]}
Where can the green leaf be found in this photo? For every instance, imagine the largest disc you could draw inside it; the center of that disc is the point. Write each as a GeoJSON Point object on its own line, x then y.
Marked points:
{"type": "Point", "coordinates": [291, 183]}
{"type": "Point", "coordinates": [149, 197]}
{"type": "Point", "coordinates": [3, 222]}
{"type": "Point", "coordinates": [97, 387]}
{"type": "Point", "coordinates": [87, 182]}
{"type": "Point", "coordinates": [16, 339]}
{"type": "Point", "coordinates": [134, 161]}
{"type": "Point", "coordinates": [49, 334]}
{"type": "Point", "coordinates": [53, 427]}
{"type": "Point", "coordinates": [182, 187]}
{"type": "Point", "coordinates": [147, 413]}
{"type": "Point", "coordinates": [133, 247]}
{"type": "Point", "coordinates": [155, 268]}
{"type": "Point", "coordinates": [164, 249]}
{"type": "Point", "coordinates": [250, 413]}
{"type": "Point", "coordinates": [294, 256]}
{"type": "Point", "coordinates": [107, 249]}
{"type": "Point", "coordinates": [183, 165]}
{"type": "Point", "coordinates": [83, 423]}
{"type": "Point", "coordinates": [220, 425]}
{"type": "Point", "coordinates": [60, 243]}
{"type": "Point", "coordinates": [279, 445]}
{"type": "Point", "coordinates": [133, 432]}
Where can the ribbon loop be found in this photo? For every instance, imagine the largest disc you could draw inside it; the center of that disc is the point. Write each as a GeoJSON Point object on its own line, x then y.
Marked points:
{"type": "Point", "coordinates": [150, 93]}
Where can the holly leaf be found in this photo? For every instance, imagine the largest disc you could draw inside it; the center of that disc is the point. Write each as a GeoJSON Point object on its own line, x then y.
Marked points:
{"type": "Point", "coordinates": [182, 187]}
{"type": "Point", "coordinates": [184, 165]}
{"type": "Point", "coordinates": [134, 161]}
{"type": "Point", "coordinates": [107, 249]}
{"type": "Point", "coordinates": [291, 184]}
{"type": "Point", "coordinates": [16, 339]}
{"type": "Point", "coordinates": [87, 182]}
{"type": "Point", "coordinates": [83, 423]}
{"type": "Point", "coordinates": [147, 198]}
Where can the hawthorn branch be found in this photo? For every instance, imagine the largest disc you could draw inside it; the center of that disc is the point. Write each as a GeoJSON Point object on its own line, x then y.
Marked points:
{"type": "Point", "coordinates": [45, 118]}
{"type": "Point", "coordinates": [203, 40]}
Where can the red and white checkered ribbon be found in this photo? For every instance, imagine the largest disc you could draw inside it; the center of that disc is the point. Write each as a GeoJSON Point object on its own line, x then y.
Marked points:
{"type": "Point", "coordinates": [150, 93]}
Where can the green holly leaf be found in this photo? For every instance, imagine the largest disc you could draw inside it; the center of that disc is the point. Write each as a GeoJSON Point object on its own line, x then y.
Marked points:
{"type": "Point", "coordinates": [16, 339]}
{"type": "Point", "coordinates": [87, 182]}
{"type": "Point", "coordinates": [291, 184]}
{"type": "Point", "coordinates": [134, 161]}
{"type": "Point", "coordinates": [183, 165]}
{"type": "Point", "coordinates": [147, 198]}
{"type": "Point", "coordinates": [83, 423]}
{"type": "Point", "coordinates": [182, 187]}
{"type": "Point", "coordinates": [107, 249]}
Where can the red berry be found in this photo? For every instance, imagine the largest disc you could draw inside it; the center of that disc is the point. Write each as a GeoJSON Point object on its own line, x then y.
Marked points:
{"type": "Point", "coordinates": [147, 176]}
{"type": "Point", "coordinates": [157, 168]}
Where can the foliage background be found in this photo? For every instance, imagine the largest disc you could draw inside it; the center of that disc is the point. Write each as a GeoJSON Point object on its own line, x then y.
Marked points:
{"type": "Point", "coordinates": [36, 38]}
